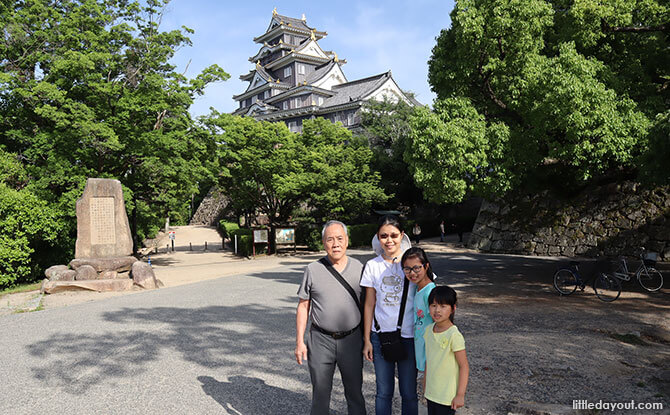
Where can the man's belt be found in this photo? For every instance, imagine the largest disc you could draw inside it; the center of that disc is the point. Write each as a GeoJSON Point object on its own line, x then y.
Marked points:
{"type": "Point", "coordinates": [334, 334]}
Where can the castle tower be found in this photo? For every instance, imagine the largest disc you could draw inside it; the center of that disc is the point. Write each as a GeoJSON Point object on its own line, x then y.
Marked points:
{"type": "Point", "coordinates": [295, 79]}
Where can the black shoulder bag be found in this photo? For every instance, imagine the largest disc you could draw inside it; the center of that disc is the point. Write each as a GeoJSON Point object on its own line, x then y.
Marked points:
{"type": "Point", "coordinates": [391, 341]}
{"type": "Point", "coordinates": [342, 281]}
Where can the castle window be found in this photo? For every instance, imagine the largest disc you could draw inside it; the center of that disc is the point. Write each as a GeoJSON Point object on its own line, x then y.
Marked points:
{"type": "Point", "coordinates": [301, 69]}
{"type": "Point", "coordinates": [287, 72]}
{"type": "Point", "coordinates": [285, 105]}
{"type": "Point", "coordinates": [350, 118]}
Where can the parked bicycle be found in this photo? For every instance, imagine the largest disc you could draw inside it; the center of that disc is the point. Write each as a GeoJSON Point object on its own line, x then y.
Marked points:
{"type": "Point", "coordinates": [567, 279]}
{"type": "Point", "coordinates": [646, 273]}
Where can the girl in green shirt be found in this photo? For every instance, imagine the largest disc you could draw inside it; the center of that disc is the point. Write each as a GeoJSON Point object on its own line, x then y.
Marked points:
{"type": "Point", "coordinates": [447, 367]}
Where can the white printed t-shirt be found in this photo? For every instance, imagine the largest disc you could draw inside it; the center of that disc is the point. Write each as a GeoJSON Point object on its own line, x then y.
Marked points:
{"type": "Point", "coordinates": [387, 280]}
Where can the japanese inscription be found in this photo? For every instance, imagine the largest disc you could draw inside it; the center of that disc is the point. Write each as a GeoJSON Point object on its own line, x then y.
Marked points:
{"type": "Point", "coordinates": [102, 221]}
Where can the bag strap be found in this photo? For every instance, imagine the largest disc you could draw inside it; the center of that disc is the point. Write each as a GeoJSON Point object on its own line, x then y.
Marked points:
{"type": "Point", "coordinates": [342, 281]}
{"type": "Point", "coordinates": [403, 302]}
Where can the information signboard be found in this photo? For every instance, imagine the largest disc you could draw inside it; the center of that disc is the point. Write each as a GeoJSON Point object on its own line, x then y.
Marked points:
{"type": "Point", "coordinates": [285, 236]}
{"type": "Point", "coordinates": [260, 236]}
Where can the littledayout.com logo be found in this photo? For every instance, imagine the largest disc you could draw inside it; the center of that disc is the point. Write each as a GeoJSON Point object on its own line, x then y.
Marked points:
{"type": "Point", "coordinates": [614, 406]}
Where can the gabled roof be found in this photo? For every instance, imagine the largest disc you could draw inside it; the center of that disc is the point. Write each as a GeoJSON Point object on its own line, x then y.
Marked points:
{"type": "Point", "coordinates": [356, 90]}
{"type": "Point", "coordinates": [280, 19]}
{"type": "Point", "coordinates": [269, 49]}
{"type": "Point", "coordinates": [320, 72]}
{"type": "Point", "coordinates": [330, 71]}
{"type": "Point", "coordinates": [279, 24]}
{"type": "Point", "coordinates": [312, 48]}
{"type": "Point", "coordinates": [294, 56]}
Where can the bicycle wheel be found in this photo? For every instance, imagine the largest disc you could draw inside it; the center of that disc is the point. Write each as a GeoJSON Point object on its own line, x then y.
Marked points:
{"type": "Point", "coordinates": [607, 287]}
{"type": "Point", "coordinates": [650, 279]}
{"type": "Point", "coordinates": [565, 281]}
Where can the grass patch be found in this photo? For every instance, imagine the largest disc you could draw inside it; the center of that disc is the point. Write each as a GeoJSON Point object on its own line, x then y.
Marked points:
{"type": "Point", "coordinates": [640, 384]}
{"type": "Point", "coordinates": [628, 338]}
{"type": "Point", "coordinates": [21, 288]}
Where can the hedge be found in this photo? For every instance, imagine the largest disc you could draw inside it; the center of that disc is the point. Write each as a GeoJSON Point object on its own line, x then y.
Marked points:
{"type": "Point", "coordinates": [225, 228]}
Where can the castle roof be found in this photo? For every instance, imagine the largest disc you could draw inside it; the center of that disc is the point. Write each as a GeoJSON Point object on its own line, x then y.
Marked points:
{"type": "Point", "coordinates": [356, 90]}
{"type": "Point", "coordinates": [280, 24]}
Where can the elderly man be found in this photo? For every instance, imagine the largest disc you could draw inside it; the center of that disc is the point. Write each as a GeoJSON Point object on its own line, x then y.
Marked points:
{"type": "Point", "coordinates": [330, 287]}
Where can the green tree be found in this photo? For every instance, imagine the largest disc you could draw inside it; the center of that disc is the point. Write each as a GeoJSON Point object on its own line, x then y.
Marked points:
{"type": "Point", "coordinates": [577, 83]}
{"type": "Point", "coordinates": [87, 90]}
{"type": "Point", "coordinates": [386, 126]}
{"type": "Point", "coordinates": [454, 150]}
{"type": "Point", "coordinates": [266, 168]}
{"type": "Point", "coordinates": [27, 225]}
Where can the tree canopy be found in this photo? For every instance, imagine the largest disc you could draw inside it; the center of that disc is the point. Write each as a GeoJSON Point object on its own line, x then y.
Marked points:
{"type": "Point", "coordinates": [267, 168]}
{"type": "Point", "coordinates": [578, 85]}
{"type": "Point", "coordinates": [386, 126]}
{"type": "Point", "coordinates": [87, 90]}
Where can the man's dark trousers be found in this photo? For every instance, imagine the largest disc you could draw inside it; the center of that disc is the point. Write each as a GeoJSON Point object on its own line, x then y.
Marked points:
{"type": "Point", "coordinates": [323, 352]}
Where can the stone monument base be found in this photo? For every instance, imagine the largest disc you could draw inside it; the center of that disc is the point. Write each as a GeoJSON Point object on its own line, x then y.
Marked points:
{"type": "Point", "coordinates": [50, 287]}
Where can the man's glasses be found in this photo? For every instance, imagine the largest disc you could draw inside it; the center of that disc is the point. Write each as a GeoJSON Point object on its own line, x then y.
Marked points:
{"type": "Point", "coordinates": [386, 235]}
{"type": "Point", "coordinates": [416, 269]}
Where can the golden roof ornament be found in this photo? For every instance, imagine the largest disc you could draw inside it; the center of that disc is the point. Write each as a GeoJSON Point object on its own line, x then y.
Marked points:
{"type": "Point", "coordinates": [281, 41]}
{"type": "Point", "coordinates": [258, 63]}
{"type": "Point", "coordinates": [312, 35]}
{"type": "Point", "coordinates": [274, 11]}
{"type": "Point", "coordinates": [336, 59]}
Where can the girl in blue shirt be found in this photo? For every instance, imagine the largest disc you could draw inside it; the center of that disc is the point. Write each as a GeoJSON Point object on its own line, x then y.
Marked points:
{"type": "Point", "coordinates": [417, 269]}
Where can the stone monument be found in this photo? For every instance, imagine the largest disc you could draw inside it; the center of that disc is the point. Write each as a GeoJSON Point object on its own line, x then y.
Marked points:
{"type": "Point", "coordinates": [103, 260]}
{"type": "Point", "coordinates": [102, 224]}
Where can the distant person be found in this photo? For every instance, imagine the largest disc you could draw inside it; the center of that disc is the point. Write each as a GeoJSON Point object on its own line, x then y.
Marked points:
{"type": "Point", "coordinates": [442, 231]}
{"type": "Point", "coordinates": [330, 289]}
{"type": "Point", "coordinates": [458, 229]}
{"type": "Point", "coordinates": [416, 231]}
{"type": "Point", "coordinates": [389, 318]}
{"type": "Point", "coordinates": [447, 368]}
{"type": "Point", "coordinates": [417, 269]}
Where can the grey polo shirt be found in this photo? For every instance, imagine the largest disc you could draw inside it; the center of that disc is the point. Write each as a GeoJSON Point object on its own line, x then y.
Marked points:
{"type": "Point", "coordinates": [333, 309]}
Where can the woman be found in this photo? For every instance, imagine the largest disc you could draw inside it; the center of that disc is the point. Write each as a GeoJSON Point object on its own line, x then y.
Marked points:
{"type": "Point", "coordinates": [384, 281]}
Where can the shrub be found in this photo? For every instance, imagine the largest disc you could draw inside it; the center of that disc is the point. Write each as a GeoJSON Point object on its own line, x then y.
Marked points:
{"type": "Point", "coordinates": [313, 240]}
{"type": "Point", "coordinates": [244, 241]}
{"type": "Point", "coordinates": [225, 228]}
{"type": "Point", "coordinates": [27, 223]}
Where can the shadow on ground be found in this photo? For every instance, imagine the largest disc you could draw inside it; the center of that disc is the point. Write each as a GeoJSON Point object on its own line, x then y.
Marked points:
{"type": "Point", "coordinates": [211, 337]}
{"type": "Point", "coordinates": [250, 395]}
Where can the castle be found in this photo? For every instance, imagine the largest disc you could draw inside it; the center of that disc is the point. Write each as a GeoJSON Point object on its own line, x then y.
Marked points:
{"type": "Point", "coordinates": [294, 79]}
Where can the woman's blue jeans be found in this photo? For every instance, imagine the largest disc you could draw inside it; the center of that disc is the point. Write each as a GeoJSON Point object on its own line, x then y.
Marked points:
{"type": "Point", "coordinates": [385, 373]}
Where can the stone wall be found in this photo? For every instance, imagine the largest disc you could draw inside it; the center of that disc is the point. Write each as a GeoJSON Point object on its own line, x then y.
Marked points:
{"type": "Point", "coordinates": [210, 209]}
{"type": "Point", "coordinates": [611, 220]}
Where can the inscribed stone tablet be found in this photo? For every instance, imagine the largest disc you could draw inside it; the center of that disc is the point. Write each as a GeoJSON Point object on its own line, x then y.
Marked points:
{"type": "Point", "coordinates": [102, 221]}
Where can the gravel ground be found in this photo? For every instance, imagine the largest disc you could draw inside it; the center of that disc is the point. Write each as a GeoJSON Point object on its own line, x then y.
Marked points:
{"type": "Point", "coordinates": [526, 343]}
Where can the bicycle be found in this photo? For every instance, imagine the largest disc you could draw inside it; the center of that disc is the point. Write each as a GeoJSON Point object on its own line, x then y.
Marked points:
{"type": "Point", "coordinates": [567, 279]}
{"type": "Point", "coordinates": [646, 273]}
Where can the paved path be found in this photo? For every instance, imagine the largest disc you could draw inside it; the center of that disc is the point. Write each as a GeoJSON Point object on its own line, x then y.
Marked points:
{"type": "Point", "coordinates": [225, 345]}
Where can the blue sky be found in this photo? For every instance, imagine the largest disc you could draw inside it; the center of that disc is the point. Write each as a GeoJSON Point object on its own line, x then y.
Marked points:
{"type": "Point", "coordinates": [373, 36]}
